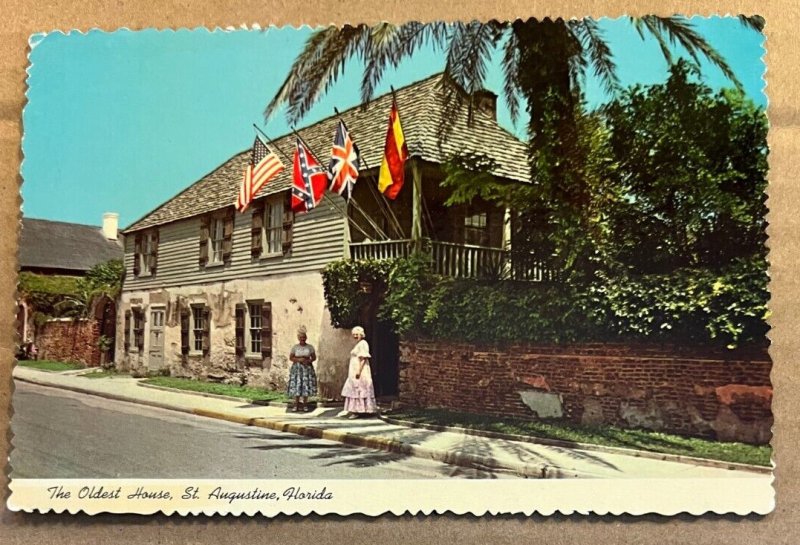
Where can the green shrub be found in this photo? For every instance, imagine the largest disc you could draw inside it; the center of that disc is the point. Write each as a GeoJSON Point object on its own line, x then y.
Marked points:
{"type": "Point", "coordinates": [723, 308]}
{"type": "Point", "coordinates": [350, 285]}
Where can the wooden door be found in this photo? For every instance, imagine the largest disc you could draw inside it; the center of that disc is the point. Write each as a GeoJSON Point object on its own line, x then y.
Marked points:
{"type": "Point", "coordinates": [156, 350]}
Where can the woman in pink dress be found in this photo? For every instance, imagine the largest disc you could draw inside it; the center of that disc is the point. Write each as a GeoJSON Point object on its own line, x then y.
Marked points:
{"type": "Point", "coordinates": [358, 391]}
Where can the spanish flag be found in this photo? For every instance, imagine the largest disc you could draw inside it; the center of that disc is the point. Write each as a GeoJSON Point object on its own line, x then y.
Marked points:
{"type": "Point", "coordinates": [395, 153]}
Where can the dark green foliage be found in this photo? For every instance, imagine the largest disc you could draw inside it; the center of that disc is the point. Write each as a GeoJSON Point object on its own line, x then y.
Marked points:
{"type": "Point", "coordinates": [43, 292]}
{"type": "Point", "coordinates": [726, 308]}
{"type": "Point", "coordinates": [351, 285]}
{"type": "Point", "coordinates": [690, 177]}
{"type": "Point", "coordinates": [54, 296]}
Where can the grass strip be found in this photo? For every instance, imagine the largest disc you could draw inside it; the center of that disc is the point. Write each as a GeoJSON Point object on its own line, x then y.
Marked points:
{"type": "Point", "coordinates": [106, 374]}
{"type": "Point", "coordinates": [243, 392]}
{"type": "Point", "coordinates": [601, 435]}
{"type": "Point", "coordinates": [50, 365]}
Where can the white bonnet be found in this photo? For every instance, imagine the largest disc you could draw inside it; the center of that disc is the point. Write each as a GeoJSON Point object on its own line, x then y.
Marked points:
{"type": "Point", "coordinates": [358, 330]}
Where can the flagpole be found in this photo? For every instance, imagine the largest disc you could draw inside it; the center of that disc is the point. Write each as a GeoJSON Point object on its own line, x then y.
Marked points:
{"type": "Point", "coordinates": [379, 197]}
{"type": "Point", "coordinates": [291, 160]}
{"type": "Point", "coordinates": [378, 230]}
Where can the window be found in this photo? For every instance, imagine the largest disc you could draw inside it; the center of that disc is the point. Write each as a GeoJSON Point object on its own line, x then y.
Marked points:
{"type": "Point", "coordinates": [138, 328]}
{"type": "Point", "coordinates": [198, 327]}
{"type": "Point", "coordinates": [273, 227]}
{"type": "Point", "coordinates": [475, 229]}
{"type": "Point", "coordinates": [217, 236]}
{"type": "Point", "coordinates": [147, 246]}
{"type": "Point", "coordinates": [254, 331]}
{"type": "Point", "coordinates": [145, 253]}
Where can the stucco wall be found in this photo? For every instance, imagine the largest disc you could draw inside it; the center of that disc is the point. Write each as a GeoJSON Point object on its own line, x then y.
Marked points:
{"type": "Point", "coordinates": [297, 300]}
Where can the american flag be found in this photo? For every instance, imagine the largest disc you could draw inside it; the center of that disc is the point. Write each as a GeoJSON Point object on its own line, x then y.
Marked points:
{"type": "Point", "coordinates": [264, 166]}
{"type": "Point", "coordinates": [309, 180]}
{"type": "Point", "coordinates": [344, 162]}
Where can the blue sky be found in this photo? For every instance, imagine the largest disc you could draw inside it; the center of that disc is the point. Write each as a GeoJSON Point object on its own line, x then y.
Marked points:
{"type": "Point", "coordinates": [123, 121]}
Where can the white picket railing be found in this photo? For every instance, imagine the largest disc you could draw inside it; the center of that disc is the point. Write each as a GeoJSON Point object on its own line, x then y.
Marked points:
{"type": "Point", "coordinates": [458, 260]}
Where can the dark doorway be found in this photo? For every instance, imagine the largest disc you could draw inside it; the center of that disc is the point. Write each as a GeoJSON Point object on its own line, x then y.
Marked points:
{"type": "Point", "coordinates": [106, 316]}
{"type": "Point", "coordinates": [384, 346]}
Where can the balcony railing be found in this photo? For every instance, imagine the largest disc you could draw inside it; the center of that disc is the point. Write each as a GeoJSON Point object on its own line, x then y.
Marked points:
{"type": "Point", "coordinates": [459, 260]}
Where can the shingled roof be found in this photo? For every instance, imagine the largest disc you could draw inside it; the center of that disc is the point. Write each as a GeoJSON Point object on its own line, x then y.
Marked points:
{"type": "Point", "coordinates": [65, 247]}
{"type": "Point", "coordinates": [421, 112]}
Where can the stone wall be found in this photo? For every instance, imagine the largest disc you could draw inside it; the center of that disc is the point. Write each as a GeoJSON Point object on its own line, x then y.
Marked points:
{"type": "Point", "coordinates": [717, 394]}
{"type": "Point", "coordinates": [69, 340]}
{"type": "Point", "coordinates": [297, 300]}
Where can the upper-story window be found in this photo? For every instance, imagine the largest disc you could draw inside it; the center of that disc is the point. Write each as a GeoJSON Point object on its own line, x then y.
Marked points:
{"type": "Point", "coordinates": [216, 237]}
{"type": "Point", "coordinates": [273, 227]}
{"type": "Point", "coordinates": [273, 221]}
{"type": "Point", "coordinates": [145, 257]}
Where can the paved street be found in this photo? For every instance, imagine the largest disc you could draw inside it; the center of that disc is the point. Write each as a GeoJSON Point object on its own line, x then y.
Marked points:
{"type": "Point", "coordinates": [62, 434]}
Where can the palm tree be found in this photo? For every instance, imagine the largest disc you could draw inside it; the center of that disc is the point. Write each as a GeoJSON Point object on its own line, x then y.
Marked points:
{"type": "Point", "coordinates": [544, 63]}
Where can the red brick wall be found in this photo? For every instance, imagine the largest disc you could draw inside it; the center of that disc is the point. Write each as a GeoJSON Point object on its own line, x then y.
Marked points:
{"type": "Point", "coordinates": [74, 341]}
{"type": "Point", "coordinates": [718, 394]}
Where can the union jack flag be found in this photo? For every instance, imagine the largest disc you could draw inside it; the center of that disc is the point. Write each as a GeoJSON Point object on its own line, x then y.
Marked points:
{"type": "Point", "coordinates": [344, 162]}
{"type": "Point", "coordinates": [309, 180]}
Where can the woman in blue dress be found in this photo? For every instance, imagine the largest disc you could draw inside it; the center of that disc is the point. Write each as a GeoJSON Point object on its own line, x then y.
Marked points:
{"type": "Point", "coordinates": [302, 378]}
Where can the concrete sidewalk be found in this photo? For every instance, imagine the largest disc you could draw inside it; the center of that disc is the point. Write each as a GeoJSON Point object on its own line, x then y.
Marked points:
{"type": "Point", "coordinates": [522, 458]}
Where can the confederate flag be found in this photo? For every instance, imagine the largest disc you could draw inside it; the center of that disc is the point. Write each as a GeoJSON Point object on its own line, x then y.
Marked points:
{"type": "Point", "coordinates": [309, 180]}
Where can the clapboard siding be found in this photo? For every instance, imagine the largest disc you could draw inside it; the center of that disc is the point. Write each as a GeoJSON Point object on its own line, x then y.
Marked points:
{"type": "Point", "coordinates": [318, 238]}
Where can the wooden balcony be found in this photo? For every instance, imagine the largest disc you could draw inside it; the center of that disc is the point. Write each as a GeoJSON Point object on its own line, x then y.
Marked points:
{"type": "Point", "coordinates": [459, 260]}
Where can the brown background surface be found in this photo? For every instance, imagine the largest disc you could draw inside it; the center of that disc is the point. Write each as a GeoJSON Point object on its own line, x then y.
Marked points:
{"type": "Point", "coordinates": [21, 18]}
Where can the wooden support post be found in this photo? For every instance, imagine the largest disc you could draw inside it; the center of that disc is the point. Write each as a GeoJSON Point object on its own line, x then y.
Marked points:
{"type": "Point", "coordinates": [416, 204]}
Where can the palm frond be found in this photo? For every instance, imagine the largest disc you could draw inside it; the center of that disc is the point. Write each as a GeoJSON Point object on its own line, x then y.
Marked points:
{"type": "Point", "coordinates": [511, 70]}
{"type": "Point", "coordinates": [596, 53]}
{"type": "Point", "coordinates": [679, 30]}
{"type": "Point", "coordinates": [756, 22]}
{"type": "Point", "coordinates": [317, 68]}
{"type": "Point", "coordinates": [468, 55]}
{"type": "Point", "coordinates": [641, 24]}
{"type": "Point", "coordinates": [389, 44]}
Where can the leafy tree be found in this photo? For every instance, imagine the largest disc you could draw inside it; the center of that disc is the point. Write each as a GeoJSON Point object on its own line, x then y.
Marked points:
{"type": "Point", "coordinates": [690, 175]}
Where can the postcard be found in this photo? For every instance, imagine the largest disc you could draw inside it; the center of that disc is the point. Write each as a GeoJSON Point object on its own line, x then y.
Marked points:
{"type": "Point", "coordinates": [472, 267]}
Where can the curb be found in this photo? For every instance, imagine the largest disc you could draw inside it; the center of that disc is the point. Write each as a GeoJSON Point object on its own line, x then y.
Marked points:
{"type": "Point", "coordinates": [705, 462]}
{"type": "Point", "coordinates": [106, 395]}
{"type": "Point", "coordinates": [258, 402]}
{"type": "Point", "coordinates": [541, 471]}
{"type": "Point", "coordinates": [215, 396]}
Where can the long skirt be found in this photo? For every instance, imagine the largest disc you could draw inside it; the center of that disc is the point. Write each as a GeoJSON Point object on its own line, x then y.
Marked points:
{"type": "Point", "coordinates": [302, 380]}
{"type": "Point", "coordinates": [359, 393]}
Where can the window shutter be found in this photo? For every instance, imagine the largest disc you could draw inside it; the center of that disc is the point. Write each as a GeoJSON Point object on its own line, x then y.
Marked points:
{"type": "Point", "coordinates": [206, 331]}
{"type": "Point", "coordinates": [137, 250]}
{"type": "Point", "coordinates": [256, 231]}
{"type": "Point", "coordinates": [227, 236]}
{"type": "Point", "coordinates": [288, 223]}
{"type": "Point", "coordinates": [140, 340]}
{"type": "Point", "coordinates": [266, 330]}
{"type": "Point", "coordinates": [185, 323]}
{"type": "Point", "coordinates": [240, 348]}
{"type": "Point", "coordinates": [127, 331]}
{"type": "Point", "coordinates": [205, 222]}
{"type": "Point", "coordinates": [153, 257]}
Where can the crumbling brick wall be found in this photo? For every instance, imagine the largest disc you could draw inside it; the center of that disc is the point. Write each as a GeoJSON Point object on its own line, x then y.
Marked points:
{"type": "Point", "coordinates": [69, 340]}
{"type": "Point", "coordinates": [691, 391]}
